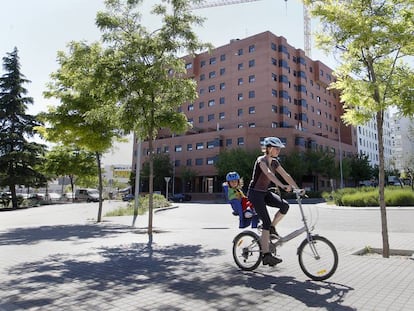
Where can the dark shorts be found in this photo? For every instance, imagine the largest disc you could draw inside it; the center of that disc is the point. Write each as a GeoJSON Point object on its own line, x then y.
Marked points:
{"type": "Point", "coordinates": [260, 199]}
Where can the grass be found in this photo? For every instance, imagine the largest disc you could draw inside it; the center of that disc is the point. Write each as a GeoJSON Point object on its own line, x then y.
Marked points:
{"type": "Point", "coordinates": [159, 201]}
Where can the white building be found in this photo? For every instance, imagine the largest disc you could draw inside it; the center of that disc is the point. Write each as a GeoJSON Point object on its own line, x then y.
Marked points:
{"type": "Point", "coordinates": [368, 141]}
{"type": "Point", "coordinates": [403, 142]}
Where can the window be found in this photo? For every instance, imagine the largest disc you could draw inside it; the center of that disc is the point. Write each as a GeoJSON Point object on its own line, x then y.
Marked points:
{"type": "Point", "coordinates": [274, 108]}
{"type": "Point", "coordinates": [302, 88]}
{"type": "Point", "coordinates": [252, 48]}
{"type": "Point", "coordinates": [240, 66]}
{"type": "Point", "coordinates": [274, 77]}
{"type": "Point", "coordinates": [202, 63]}
{"type": "Point", "coordinates": [274, 61]}
{"type": "Point", "coordinates": [210, 117]}
{"type": "Point", "coordinates": [166, 149]}
{"type": "Point", "coordinates": [223, 57]}
{"type": "Point", "coordinates": [202, 91]}
{"type": "Point", "coordinates": [284, 94]}
{"type": "Point", "coordinates": [201, 105]}
{"type": "Point", "coordinates": [199, 161]}
{"type": "Point", "coordinates": [212, 61]}
{"type": "Point", "coordinates": [222, 101]}
{"type": "Point", "coordinates": [252, 124]}
{"type": "Point", "coordinates": [274, 93]}
{"type": "Point", "coordinates": [210, 161]}
{"type": "Point", "coordinates": [201, 119]}
{"type": "Point", "coordinates": [251, 63]}
{"type": "Point", "coordinates": [283, 49]}
{"type": "Point", "coordinates": [188, 65]}
{"type": "Point", "coordinates": [284, 64]}
{"type": "Point", "coordinates": [240, 96]}
{"type": "Point", "coordinates": [178, 148]}
{"type": "Point", "coordinates": [240, 52]}
{"type": "Point", "coordinates": [212, 74]}
{"type": "Point", "coordinates": [283, 79]}
{"type": "Point", "coordinates": [211, 88]}
{"type": "Point", "coordinates": [211, 144]}
{"type": "Point", "coordinates": [318, 99]}
{"type": "Point", "coordinates": [189, 147]}
{"type": "Point", "coordinates": [211, 102]}
{"type": "Point", "coordinates": [190, 107]}
{"type": "Point", "coordinates": [240, 141]}
{"type": "Point", "coordinates": [274, 124]}
{"type": "Point", "coordinates": [252, 94]}
{"type": "Point", "coordinates": [189, 162]}
{"type": "Point", "coordinates": [202, 77]}
{"type": "Point", "coordinates": [221, 115]}
{"type": "Point", "coordinates": [222, 86]}
{"type": "Point", "coordinates": [239, 112]}
{"type": "Point", "coordinates": [222, 71]}
{"type": "Point", "coordinates": [252, 110]}
{"type": "Point", "coordinates": [199, 146]}
{"type": "Point", "coordinates": [240, 81]}
{"type": "Point", "coordinates": [273, 46]}
{"type": "Point", "coordinates": [229, 142]}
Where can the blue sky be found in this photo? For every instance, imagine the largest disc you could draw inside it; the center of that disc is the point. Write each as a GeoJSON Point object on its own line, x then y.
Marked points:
{"type": "Point", "coordinates": [40, 28]}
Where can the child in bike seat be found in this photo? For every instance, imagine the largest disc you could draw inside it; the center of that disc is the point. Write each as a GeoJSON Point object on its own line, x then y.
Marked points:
{"type": "Point", "coordinates": [241, 206]}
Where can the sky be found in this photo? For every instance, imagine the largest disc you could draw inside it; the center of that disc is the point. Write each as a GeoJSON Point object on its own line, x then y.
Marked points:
{"type": "Point", "coordinates": [41, 28]}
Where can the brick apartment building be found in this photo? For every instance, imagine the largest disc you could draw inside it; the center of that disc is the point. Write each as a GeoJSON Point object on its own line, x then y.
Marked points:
{"type": "Point", "coordinates": [249, 89]}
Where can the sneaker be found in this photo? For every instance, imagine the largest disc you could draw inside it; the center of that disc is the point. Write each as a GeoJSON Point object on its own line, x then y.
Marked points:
{"type": "Point", "coordinates": [273, 233]}
{"type": "Point", "coordinates": [248, 214]}
{"type": "Point", "coordinates": [270, 260]}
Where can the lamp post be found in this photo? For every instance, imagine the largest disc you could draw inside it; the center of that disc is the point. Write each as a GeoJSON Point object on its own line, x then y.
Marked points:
{"type": "Point", "coordinates": [167, 179]}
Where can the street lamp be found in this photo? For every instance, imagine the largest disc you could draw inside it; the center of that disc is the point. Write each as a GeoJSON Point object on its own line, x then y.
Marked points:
{"type": "Point", "coordinates": [167, 179]}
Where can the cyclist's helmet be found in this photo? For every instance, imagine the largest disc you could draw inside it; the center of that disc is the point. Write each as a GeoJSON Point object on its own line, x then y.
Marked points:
{"type": "Point", "coordinates": [273, 142]}
{"type": "Point", "coordinates": [232, 176]}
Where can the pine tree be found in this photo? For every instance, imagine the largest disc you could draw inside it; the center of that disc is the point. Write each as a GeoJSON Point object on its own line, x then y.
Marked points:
{"type": "Point", "coordinates": [18, 156]}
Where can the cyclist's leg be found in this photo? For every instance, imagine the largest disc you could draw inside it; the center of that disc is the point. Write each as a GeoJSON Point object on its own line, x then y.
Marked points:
{"type": "Point", "coordinates": [274, 200]}
{"type": "Point", "coordinates": [258, 201]}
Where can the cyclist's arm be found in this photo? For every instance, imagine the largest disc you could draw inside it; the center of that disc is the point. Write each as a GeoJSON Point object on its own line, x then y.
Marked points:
{"type": "Point", "coordinates": [286, 177]}
{"type": "Point", "coordinates": [269, 174]}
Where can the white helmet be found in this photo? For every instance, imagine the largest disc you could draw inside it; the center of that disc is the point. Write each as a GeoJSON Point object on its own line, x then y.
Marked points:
{"type": "Point", "coordinates": [273, 142]}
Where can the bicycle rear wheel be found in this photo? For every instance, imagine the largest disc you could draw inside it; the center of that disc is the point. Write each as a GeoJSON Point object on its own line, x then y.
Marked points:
{"type": "Point", "coordinates": [318, 258]}
{"type": "Point", "coordinates": [247, 251]}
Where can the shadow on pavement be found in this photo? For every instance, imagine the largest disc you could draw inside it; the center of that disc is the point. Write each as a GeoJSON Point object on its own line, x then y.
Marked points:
{"type": "Point", "coordinates": [326, 295]}
{"type": "Point", "coordinates": [154, 275]}
{"type": "Point", "coordinates": [33, 235]}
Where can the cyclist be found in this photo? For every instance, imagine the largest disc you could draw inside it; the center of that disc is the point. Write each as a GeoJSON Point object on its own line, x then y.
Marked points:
{"type": "Point", "coordinates": [264, 171]}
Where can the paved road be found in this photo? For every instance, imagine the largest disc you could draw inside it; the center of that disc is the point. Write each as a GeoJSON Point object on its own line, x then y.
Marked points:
{"type": "Point", "coordinates": [58, 258]}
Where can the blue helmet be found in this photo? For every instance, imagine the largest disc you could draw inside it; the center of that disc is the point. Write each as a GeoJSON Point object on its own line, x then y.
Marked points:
{"type": "Point", "coordinates": [232, 176]}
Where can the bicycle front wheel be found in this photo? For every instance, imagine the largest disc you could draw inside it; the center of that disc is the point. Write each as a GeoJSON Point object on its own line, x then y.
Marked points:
{"type": "Point", "coordinates": [247, 250]}
{"type": "Point", "coordinates": [318, 258]}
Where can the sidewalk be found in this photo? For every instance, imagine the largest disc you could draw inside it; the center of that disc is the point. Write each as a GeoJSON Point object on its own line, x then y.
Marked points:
{"type": "Point", "coordinates": [188, 266]}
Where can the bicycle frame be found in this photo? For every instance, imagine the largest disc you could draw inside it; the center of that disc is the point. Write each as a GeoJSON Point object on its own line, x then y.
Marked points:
{"type": "Point", "coordinates": [299, 231]}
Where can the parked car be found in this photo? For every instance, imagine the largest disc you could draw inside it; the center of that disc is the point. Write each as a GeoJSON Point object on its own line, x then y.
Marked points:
{"type": "Point", "coordinates": [180, 197]}
{"type": "Point", "coordinates": [86, 194]}
{"type": "Point", "coordinates": [128, 197]}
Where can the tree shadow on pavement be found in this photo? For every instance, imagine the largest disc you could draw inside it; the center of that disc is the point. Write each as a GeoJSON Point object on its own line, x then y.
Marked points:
{"type": "Point", "coordinates": [33, 235]}
{"type": "Point", "coordinates": [326, 295]}
{"type": "Point", "coordinates": [153, 277]}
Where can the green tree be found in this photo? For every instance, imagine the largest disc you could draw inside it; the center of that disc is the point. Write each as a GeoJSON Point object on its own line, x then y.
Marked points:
{"type": "Point", "coordinates": [68, 161]}
{"type": "Point", "coordinates": [295, 164]}
{"type": "Point", "coordinates": [239, 160]}
{"type": "Point", "coordinates": [79, 120]}
{"type": "Point", "coordinates": [360, 168]}
{"type": "Point", "coordinates": [162, 168]}
{"type": "Point", "coordinates": [187, 174]}
{"type": "Point", "coordinates": [149, 78]}
{"type": "Point", "coordinates": [375, 41]}
{"type": "Point", "coordinates": [18, 156]}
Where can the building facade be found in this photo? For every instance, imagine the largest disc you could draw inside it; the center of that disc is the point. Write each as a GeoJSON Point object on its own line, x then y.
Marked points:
{"type": "Point", "coordinates": [249, 89]}
{"type": "Point", "coordinates": [367, 139]}
{"type": "Point", "coordinates": [403, 143]}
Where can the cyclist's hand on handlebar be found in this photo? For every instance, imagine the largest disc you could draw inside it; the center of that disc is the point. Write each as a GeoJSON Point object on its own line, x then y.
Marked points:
{"type": "Point", "coordinates": [288, 188]}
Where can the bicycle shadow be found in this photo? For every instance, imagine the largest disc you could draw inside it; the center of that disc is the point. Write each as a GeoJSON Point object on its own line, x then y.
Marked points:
{"type": "Point", "coordinates": [327, 295]}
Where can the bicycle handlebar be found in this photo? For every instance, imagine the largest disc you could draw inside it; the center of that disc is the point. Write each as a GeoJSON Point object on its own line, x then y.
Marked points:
{"type": "Point", "coordinates": [299, 192]}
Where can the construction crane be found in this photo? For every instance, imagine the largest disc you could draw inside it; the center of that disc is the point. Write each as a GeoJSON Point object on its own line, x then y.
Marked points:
{"type": "Point", "coordinates": [306, 17]}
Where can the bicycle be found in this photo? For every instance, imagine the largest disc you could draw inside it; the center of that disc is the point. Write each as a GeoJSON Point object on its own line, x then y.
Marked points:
{"type": "Point", "coordinates": [318, 257]}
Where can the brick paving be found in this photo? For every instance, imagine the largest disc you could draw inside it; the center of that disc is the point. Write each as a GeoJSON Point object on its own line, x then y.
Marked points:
{"type": "Point", "coordinates": [66, 261]}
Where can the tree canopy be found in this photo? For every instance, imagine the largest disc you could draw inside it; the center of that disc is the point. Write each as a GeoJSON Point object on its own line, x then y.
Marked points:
{"type": "Point", "coordinates": [18, 156]}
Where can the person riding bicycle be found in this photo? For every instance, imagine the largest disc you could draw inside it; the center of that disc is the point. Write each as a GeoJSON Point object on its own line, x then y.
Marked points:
{"type": "Point", "coordinates": [259, 194]}
{"type": "Point", "coordinates": [238, 200]}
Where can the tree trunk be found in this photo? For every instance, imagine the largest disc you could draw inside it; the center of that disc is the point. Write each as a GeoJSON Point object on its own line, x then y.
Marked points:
{"type": "Point", "coordinates": [98, 161]}
{"type": "Point", "coordinates": [151, 187]}
{"type": "Point", "coordinates": [381, 177]}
